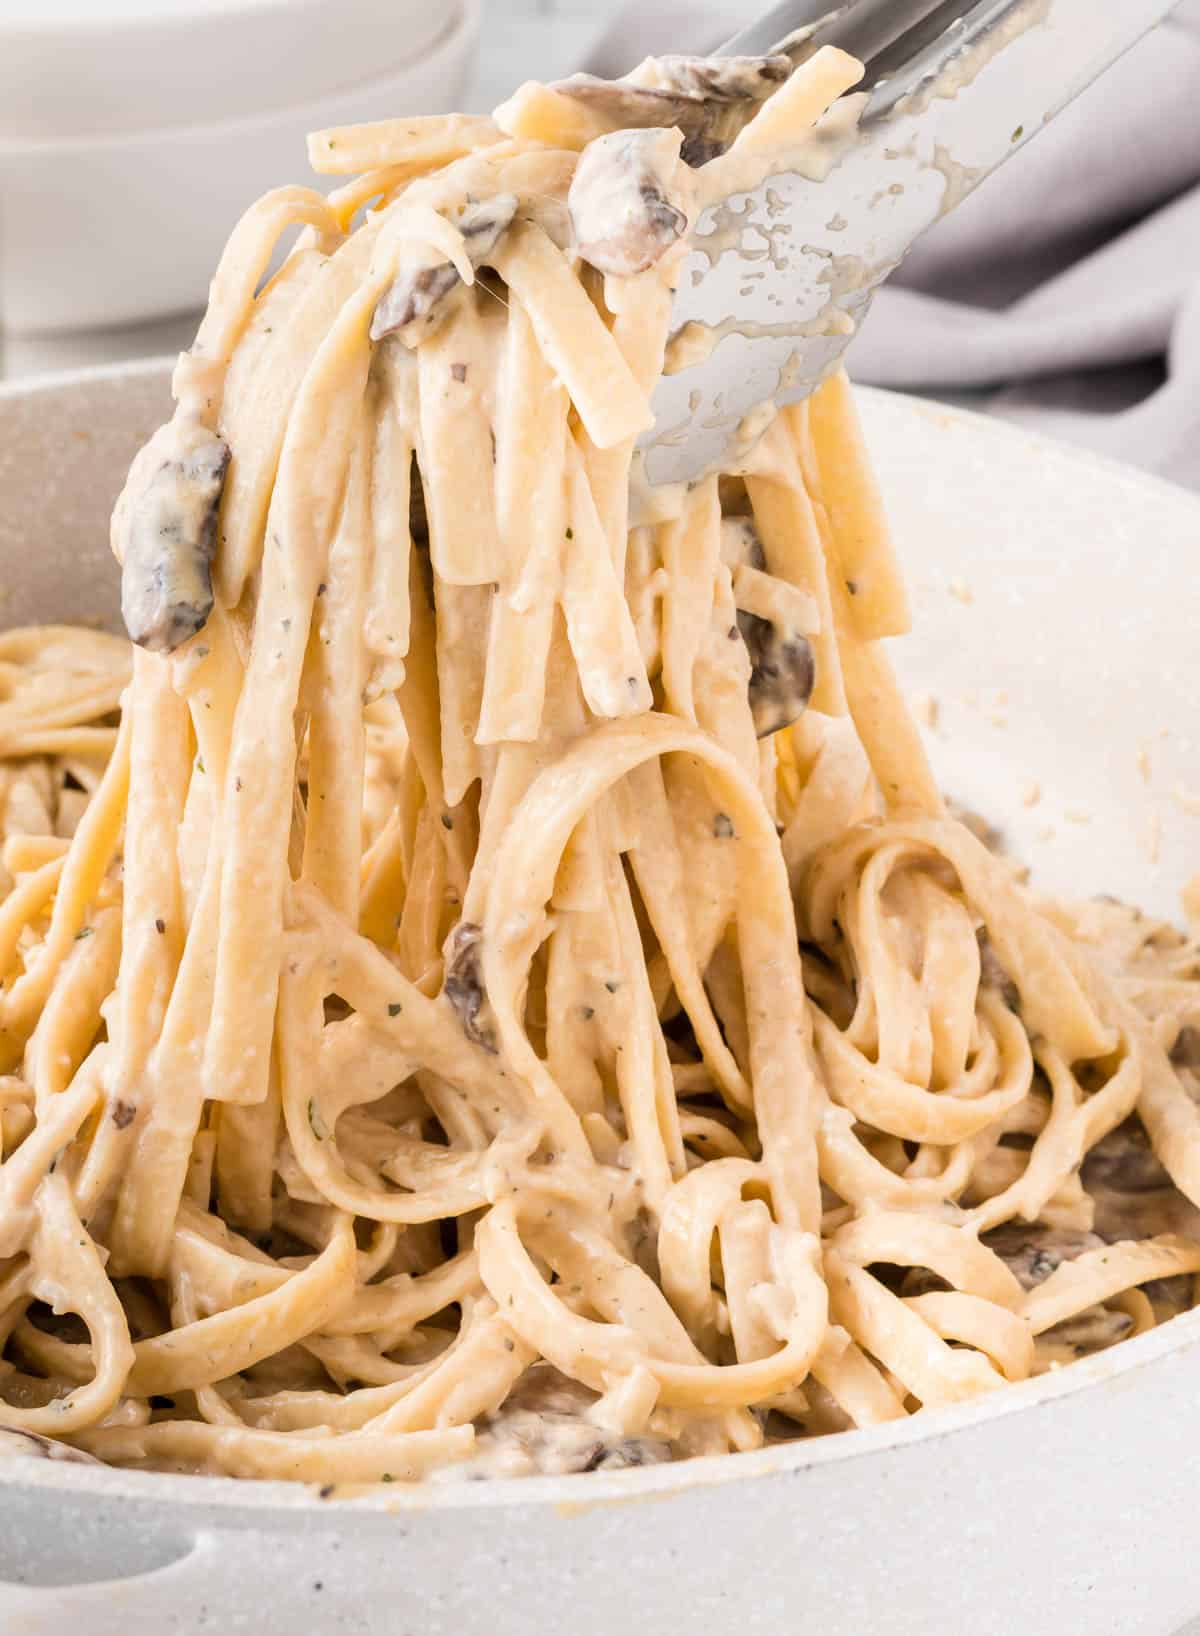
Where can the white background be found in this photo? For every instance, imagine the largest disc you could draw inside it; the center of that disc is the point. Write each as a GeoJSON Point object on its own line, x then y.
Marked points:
{"type": "Point", "coordinates": [535, 39]}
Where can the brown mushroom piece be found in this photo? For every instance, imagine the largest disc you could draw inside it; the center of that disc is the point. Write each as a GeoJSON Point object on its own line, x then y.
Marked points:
{"type": "Point", "coordinates": [14, 1443]}
{"type": "Point", "coordinates": [992, 972]}
{"type": "Point", "coordinates": [1032, 1253]}
{"type": "Point", "coordinates": [414, 303]}
{"type": "Point", "coordinates": [545, 1426]}
{"type": "Point", "coordinates": [463, 985]}
{"type": "Point", "coordinates": [783, 673]}
{"type": "Point", "coordinates": [1124, 1162]}
{"type": "Point", "coordinates": [1185, 1053]}
{"type": "Point", "coordinates": [709, 100]}
{"type": "Point", "coordinates": [1087, 1332]}
{"type": "Point", "coordinates": [169, 535]}
{"type": "Point", "coordinates": [621, 1453]}
{"type": "Point", "coordinates": [622, 106]}
{"type": "Point", "coordinates": [624, 216]}
{"type": "Point", "coordinates": [783, 666]}
{"type": "Point", "coordinates": [1134, 1197]}
{"type": "Point", "coordinates": [724, 79]}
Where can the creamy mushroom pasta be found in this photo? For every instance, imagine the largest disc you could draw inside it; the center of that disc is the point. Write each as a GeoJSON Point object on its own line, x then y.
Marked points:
{"type": "Point", "coordinates": [490, 983]}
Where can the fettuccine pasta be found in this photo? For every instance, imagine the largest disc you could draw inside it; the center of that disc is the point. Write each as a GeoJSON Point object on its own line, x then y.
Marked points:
{"type": "Point", "coordinates": [490, 982]}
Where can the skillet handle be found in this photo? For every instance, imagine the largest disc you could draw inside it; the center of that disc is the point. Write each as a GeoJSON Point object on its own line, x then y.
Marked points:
{"type": "Point", "coordinates": [202, 1590]}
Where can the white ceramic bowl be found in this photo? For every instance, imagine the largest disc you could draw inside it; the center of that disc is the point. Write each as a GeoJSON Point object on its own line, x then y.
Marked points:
{"type": "Point", "coordinates": [1061, 1507]}
{"type": "Point", "coordinates": [136, 65]}
{"type": "Point", "coordinates": [120, 228]}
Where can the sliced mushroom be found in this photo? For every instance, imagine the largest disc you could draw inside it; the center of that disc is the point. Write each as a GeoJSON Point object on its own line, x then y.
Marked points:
{"type": "Point", "coordinates": [463, 986]}
{"type": "Point", "coordinates": [618, 1454]}
{"type": "Point", "coordinates": [526, 1442]}
{"type": "Point", "coordinates": [775, 619]}
{"type": "Point", "coordinates": [14, 1442]}
{"type": "Point", "coordinates": [545, 1426]}
{"type": "Point", "coordinates": [721, 79]}
{"type": "Point", "coordinates": [413, 298]}
{"type": "Point", "coordinates": [1079, 1337]}
{"type": "Point", "coordinates": [1033, 1253]}
{"type": "Point", "coordinates": [414, 304]}
{"type": "Point", "coordinates": [1133, 1195]}
{"type": "Point", "coordinates": [625, 204]}
{"type": "Point", "coordinates": [709, 100]}
{"type": "Point", "coordinates": [783, 673]}
{"type": "Point", "coordinates": [1124, 1162]}
{"type": "Point", "coordinates": [168, 535]}
{"type": "Point", "coordinates": [992, 972]}
{"type": "Point", "coordinates": [1185, 1053]}
{"type": "Point", "coordinates": [623, 106]}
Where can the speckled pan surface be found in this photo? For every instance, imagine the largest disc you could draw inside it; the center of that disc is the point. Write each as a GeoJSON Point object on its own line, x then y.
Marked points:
{"type": "Point", "coordinates": [1056, 614]}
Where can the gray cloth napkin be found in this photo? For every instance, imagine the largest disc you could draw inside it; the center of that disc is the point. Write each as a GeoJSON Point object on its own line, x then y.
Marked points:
{"type": "Point", "coordinates": [1064, 293]}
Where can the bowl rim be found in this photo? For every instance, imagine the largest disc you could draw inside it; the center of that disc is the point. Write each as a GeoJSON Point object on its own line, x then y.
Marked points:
{"type": "Point", "coordinates": [256, 1499]}
{"type": "Point", "coordinates": [577, 1493]}
{"type": "Point", "coordinates": [458, 35]}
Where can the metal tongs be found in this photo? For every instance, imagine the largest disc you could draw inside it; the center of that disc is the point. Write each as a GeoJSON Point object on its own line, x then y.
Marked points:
{"type": "Point", "coordinates": [953, 88]}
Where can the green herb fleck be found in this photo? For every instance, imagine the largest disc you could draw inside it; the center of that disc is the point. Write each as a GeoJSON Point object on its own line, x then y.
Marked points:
{"type": "Point", "coordinates": [315, 1123]}
{"type": "Point", "coordinates": [84, 931]}
{"type": "Point", "coordinates": [394, 1008]}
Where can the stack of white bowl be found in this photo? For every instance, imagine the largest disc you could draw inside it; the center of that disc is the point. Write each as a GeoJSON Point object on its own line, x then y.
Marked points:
{"type": "Point", "coordinates": [134, 132]}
